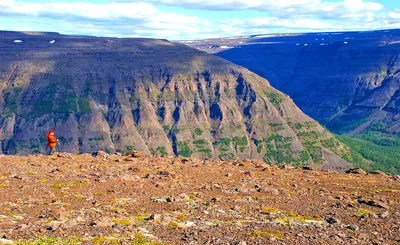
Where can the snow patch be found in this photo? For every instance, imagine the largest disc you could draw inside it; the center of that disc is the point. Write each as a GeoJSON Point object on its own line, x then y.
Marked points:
{"type": "Point", "coordinates": [18, 41]}
{"type": "Point", "coordinates": [52, 41]}
{"type": "Point", "coordinates": [323, 44]}
{"type": "Point", "coordinates": [297, 44]}
{"type": "Point", "coordinates": [345, 42]}
{"type": "Point", "coordinates": [260, 36]}
{"type": "Point", "coordinates": [306, 44]}
{"type": "Point", "coordinates": [225, 47]}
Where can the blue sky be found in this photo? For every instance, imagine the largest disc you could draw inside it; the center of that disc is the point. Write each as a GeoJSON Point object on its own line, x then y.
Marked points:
{"type": "Point", "coordinates": [193, 19]}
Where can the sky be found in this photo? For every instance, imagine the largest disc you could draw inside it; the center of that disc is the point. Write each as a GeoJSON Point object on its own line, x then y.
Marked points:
{"type": "Point", "coordinates": [194, 19]}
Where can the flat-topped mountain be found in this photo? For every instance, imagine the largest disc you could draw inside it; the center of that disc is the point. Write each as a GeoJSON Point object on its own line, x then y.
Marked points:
{"type": "Point", "coordinates": [348, 81]}
{"type": "Point", "coordinates": [150, 95]}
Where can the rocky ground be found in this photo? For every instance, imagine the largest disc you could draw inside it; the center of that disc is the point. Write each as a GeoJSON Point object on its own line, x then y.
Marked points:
{"type": "Point", "coordinates": [111, 199]}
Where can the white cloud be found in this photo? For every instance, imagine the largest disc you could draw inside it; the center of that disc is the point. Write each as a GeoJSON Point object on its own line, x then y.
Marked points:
{"type": "Point", "coordinates": [131, 18]}
{"type": "Point", "coordinates": [278, 8]}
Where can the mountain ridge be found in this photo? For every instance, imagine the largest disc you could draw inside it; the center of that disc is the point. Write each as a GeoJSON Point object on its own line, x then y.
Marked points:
{"type": "Point", "coordinates": [153, 96]}
{"type": "Point", "coordinates": [342, 79]}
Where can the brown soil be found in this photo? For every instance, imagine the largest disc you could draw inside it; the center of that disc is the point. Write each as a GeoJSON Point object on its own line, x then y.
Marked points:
{"type": "Point", "coordinates": [159, 200]}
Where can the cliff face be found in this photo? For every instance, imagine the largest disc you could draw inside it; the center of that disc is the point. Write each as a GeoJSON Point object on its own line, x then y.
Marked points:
{"type": "Point", "coordinates": [347, 81]}
{"type": "Point", "coordinates": [151, 95]}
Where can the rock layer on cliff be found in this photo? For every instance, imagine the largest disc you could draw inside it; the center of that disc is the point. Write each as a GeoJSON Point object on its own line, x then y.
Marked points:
{"type": "Point", "coordinates": [348, 81]}
{"type": "Point", "coordinates": [150, 95]}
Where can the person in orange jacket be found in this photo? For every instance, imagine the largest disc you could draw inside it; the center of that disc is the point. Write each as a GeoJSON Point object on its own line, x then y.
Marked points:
{"type": "Point", "coordinates": [52, 141]}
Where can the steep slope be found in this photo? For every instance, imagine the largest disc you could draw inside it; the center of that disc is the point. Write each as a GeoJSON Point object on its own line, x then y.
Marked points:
{"type": "Point", "coordinates": [151, 95]}
{"type": "Point", "coordinates": [347, 81]}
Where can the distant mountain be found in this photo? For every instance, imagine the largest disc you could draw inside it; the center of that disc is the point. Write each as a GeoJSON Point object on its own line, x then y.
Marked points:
{"type": "Point", "coordinates": [151, 95]}
{"type": "Point", "coordinates": [348, 81]}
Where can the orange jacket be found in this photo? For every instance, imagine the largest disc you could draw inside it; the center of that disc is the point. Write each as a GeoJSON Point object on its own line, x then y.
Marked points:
{"type": "Point", "coordinates": [52, 140]}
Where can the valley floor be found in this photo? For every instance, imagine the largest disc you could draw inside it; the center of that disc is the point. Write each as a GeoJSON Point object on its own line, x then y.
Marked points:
{"type": "Point", "coordinates": [110, 199]}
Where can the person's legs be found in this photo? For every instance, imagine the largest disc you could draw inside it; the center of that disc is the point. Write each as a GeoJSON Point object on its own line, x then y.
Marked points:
{"type": "Point", "coordinates": [52, 150]}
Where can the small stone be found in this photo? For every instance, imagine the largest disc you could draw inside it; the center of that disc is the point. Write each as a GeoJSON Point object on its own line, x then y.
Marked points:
{"type": "Point", "coordinates": [102, 154]}
{"type": "Point", "coordinates": [236, 208]}
{"type": "Point", "coordinates": [136, 154]}
{"type": "Point", "coordinates": [228, 175]}
{"type": "Point", "coordinates": [382, 205]}
{"type": "Point", "coordinates": [248, 173]}
{"type": "Point", "coordinates": [356, 171]}
{"type": "Point", "coordinates": [384, 214]}
{"type": "Point", "coordinates": [154, 217]}
{"type": "Point", "coordinates": [377, 172]}
{"type": "Point", "coordinates": [5, 241]}
{"type": "Point", "coordinates": [159, 200]}
{"type": "Point", "coordinates": [163, 173]}
{"type": "Point", "coordinates": [183, 197]}
{"type": "Point", "coordinates": [353, 227]}
{"type": "Point", "coordinates": [308, 168]}
{"type": "Point", "coordinates": [332, 220]}
{"type": "Point", "coordinates": [133, 169]}
{"type": "Point", "coordinates": [215, 199]}
{"type": "Point", "coordinates": [260, 164]}
{"type": "Point", "coordinates": [65, 155]}
{"type": "Point", "coordinates": [129, 159]}
{"type": "Point", "coordinates": [176, 162]}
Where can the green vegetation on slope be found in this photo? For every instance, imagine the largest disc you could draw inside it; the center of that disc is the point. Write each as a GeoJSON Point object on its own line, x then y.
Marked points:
{"type": "Point", "coordinates": [382, 149]}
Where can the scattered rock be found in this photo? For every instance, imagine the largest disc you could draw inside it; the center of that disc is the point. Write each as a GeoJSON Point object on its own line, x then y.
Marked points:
{"type": "Point", "coordinates": [384, 214]}
{"type": "Point", "coordinates": [215, 199]}
{"type": "Point", "coordinates": [332, 220]}
{"type": "Point", "coordinates": [5, 242]}
{"type": "Point", "coordinates": [308, 168]}
{"type": "Point", "coordinates": [176, 162]}
{"type": "Point", "coordinates": [65, 155]}
{"type": "Point", "coordinates": [377, 172]}
{"type": "Point", "coordinates": [382, 205]}
{"type": "Point", "coordinates": [102, 154]}
{"type": "Point", "coordinates": [286, 167]}
{"type": "Point", "coordinates": [154, 217]}
{"type": "Point", "coordinates": [375, 204]}
{"type": "Point", "coordinates": [162, 200]}
{"type": "Point", "coordinates": [356, 171]}
{"type": "Point", "coordinates": [261, 164]}
{"type": "Point", "coordinates": [136, 155]}
{"type": "Point", "coordinates": [129, 159]}
{"type": "Point", "coordinates": [133, 169]}
{"type": "Point", "coordinates": [182, 197]}
{"type": "Point", "coordinates": [353, 227]}
{"type": "Point", "coordinates": [166, 173]}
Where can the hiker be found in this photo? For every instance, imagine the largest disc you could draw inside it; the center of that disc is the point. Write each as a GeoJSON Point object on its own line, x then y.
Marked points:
{"type": "Point", "coordinates": [52, 141]}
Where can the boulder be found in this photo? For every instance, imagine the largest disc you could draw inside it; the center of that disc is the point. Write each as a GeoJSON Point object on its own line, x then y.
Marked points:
{"type": "Point", "coordinates": [356, 171]}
